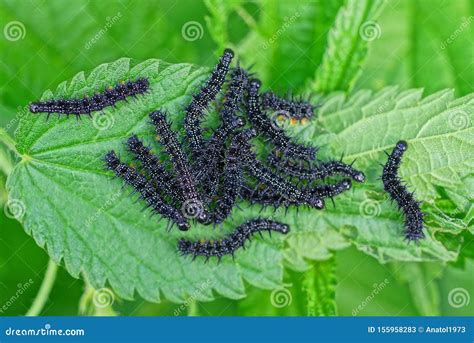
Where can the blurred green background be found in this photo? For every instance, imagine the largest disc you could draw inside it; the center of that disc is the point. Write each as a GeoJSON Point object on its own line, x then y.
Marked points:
{"type": "Point", "coordinates": [60, 38]}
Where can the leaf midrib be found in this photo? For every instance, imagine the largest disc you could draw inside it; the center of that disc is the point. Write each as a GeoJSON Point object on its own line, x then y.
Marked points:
{"type": "Point", "coordinates": [354, 48]}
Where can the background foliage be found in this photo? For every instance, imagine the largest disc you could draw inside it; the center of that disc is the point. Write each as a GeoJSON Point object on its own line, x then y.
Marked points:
{"type": "Point", "coordinates": [305, 46]}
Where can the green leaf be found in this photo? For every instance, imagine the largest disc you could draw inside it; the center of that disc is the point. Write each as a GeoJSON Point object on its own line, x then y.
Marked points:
{"type": "Point", "coordinates": [218, 20]}
{"type": "Point", "coordinates": [430, 55]}
{"type": "Point", "coordinates": [439, 132]}
{"type": "Point", "coordinates": [347, 45]}
{"type": "Point", "coordinates": [82, 217]}
{"type": "Point", "coordinates": [422, 281]}
{"type": "Point", "coordinates": [283, 28]}
{"type": "Point", "coordinates": [438, 129]}
{"type": "Point", "coordinates": [320, 288]}
{"type": "Point", "coordinates": [455, 289]}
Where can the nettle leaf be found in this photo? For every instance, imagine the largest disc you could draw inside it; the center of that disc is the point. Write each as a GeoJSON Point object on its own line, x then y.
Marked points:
{"type": "Point", "coordinates": [284, 27]}
{"type": "Point", "coordinates": [438, 164]}
{"type": "Point", "coordinates": [218, 20]}
{"type": "Point", "coordinates": [431, 55]}
{"type": "Point", "coordinates": [83, 218]}
{"type": "Point", "coordinates": [81, 215]}
{"type": "Point", "coordinates": [422, 281]}
{"type": "Point", "coordinates": [346, 49]}
{"type": "Point", "coordinates": [320, 287]}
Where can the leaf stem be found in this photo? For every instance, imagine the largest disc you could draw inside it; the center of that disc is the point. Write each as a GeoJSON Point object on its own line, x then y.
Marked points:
{"type": "Point", "coordinates": [9, 142]}
{"type": "Point", "coordinates": [6, 165]}
{"type": "Point", "coordinates": [44, 291]}
{"type": "Point", "coordinates": [248, 19]}
{"type": "Point", "coordinates": [319, 285]}
{"type": "Point", "coordinates": [193, 309]}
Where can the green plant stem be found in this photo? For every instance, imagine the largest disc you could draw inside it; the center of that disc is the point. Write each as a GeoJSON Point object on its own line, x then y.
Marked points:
{"type": "Point", "coordinates": [193, 309]}
{"type": "Point", "coordinates": [319, 285]}
{"type": "Point", "coordinates": [9, 142]}
{"type": "Point", "coordinates": [44, 291]}
{"type": "Point", "coordinates": [248, 19]}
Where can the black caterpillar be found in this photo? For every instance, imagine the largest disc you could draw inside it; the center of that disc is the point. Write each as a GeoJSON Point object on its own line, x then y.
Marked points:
{"type": "Point", "coordinates": [200, 102]}
{"type": "Point", "coordinates": [154, 168]}
{"type": "Point", "coordinates": [320, 171]}
{"type": "Point", "coordinates": [208, 168]}
{"type": "Point", "coordinates": [193, 205]}
{"type": "Point", "coordinates": [399, 193]}
{"type": "Point", "coordinates": [266, 127]}
{"type": "Point", "coordinates": [233, 174]}
{"type": "Point", "coordinates": [97, 102]}
{"type": "Point", "coordinates": [262, 195]}
{"type": "Point", "coordinates": [268, 197]}
{"type": "Point", "coordinates": [331, 190]}
{"type": "Point", "coordinates": [294, 108]}
{"type": "Point", "coordinates": [228, 245]}
{"type": "Point", "coordinates": [209, 163]}
{"type": "Point", "coordinates": [280, 185]}
{"type": "Point", "coordinates": [147, 192]}
{"type": "Point", "coordinates": [234, 95]}
{"type": "Point", "coordinates": [206, 181]}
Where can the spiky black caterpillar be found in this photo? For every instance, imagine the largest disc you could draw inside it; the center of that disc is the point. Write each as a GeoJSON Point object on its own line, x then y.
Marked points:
{"type": "Point", "coordinates": [331, 190]}
{"type": "Point", "coordinates": [319, 171]}
{"type": "Point", "coordinates": [268, 197]}
{"type": "Point", "coordinates": [233, 174]}
{"type": "Point", "coordinates": [282, 187]}
{"type": "Point", "coordinates": [154, 168]}
{"type": "Point", "coordinates": [399, 193]}
{"type": "Point", "coordinates": [97, 102]}
{"type": "Point", "coordinates": [146, 190]}
{"type": "Point", "coordinates": [279, 185]}
{"type": "Point", "coordinates": [229, 244]}
{"type": "Point", "coordinates": [295, 108]}
{"type": "Point", "coordinates": [234, 95]}
{"type": "Point", "coordinates": [196, 109]}
{"type": "Point", "coordinates": [210, 162]}
{"type": "Point", "coordinates": [193, 204]}
{"type": "Point", "coordinates": [264, 126]}
{"type": "Point", "coordinates": [208, 167]}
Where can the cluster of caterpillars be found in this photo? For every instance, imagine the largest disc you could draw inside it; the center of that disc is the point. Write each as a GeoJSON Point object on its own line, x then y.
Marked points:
{"type": "Point", "coordinates": [207, 175]}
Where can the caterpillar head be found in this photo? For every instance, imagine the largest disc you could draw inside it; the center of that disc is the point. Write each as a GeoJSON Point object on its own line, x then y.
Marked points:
{"type": "Point", "coordinates": [402, 145]}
